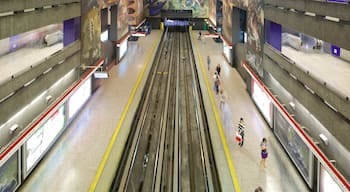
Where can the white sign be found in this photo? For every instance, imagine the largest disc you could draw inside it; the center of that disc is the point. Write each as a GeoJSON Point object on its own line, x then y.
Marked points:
{"type": "Point", "coordinates": [123, 47]}
{"type": "Point", "coordinates": [227, 51]}
{"type": "Point", "coordinates": [104, 36]}
{"type": "Point", "coordinates": [79, 97]}
{"type": "Point", "coordinates": [39, 142]}
{"type": "Point", "coordinates": [262, 101]}
{"type": "Point", "coordinates": [326, 182]}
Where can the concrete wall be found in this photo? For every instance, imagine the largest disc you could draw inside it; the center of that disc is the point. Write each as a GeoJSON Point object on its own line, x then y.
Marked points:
{"type": "Point", "coordinates": [25, 95]}
{"type": "Point", "coordinates": [18, 5]}
{"type": "Point", "coordinates": [333, 121]}
{"type": "Point", "coordinates": [23, 21]}
{"type": "Point", "coordinates": [345, 54]}
{"type": "Point", "coordinates": [238, 56]}
{"type": "Point", "coordinates": [311, 25]}
{"type": "Point", "coordinates": [318, 7]}
{"type": "Point", "coordinates": [337, 100]}
{"type": "Point", "coordinates": [34, 108]}
{"type": "Point", "coordinates": [18, 82]}
{"type": "Point", "coordinates": [312, 126]}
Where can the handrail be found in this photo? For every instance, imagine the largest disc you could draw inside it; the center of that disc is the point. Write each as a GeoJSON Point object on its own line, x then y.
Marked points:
{"type": "Point", "coordinates": [316, 151]}
{"type": "Point", "coordinates": [63, 98]}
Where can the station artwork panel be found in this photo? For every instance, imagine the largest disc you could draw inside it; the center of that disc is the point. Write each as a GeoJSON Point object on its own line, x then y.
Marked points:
{"type": "Point", "coordinates": [227, 20]}
{"type": "Point", "coordinates": [122, 19]}
{"type": "Point", "coordinates": [200, 8]}
{"type": "Point", "coordinates": [212, 11]}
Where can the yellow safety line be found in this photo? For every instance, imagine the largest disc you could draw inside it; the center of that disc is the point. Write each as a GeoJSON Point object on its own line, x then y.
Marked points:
{"type": "Point", "coordinates": [117, 129]}
{"type": "Point", "coordinates": [219, 124]}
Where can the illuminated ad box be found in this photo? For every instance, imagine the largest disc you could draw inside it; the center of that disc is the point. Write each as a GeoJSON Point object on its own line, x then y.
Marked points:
{"type": "Point", "coordinates": [79, 97]}
{"type": "Point", "coordinates": [37, 145]}
{"type": "Point", "coordinates": [262, 101]}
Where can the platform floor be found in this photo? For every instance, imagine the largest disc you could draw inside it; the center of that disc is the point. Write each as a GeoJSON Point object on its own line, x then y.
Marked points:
{"type": "Point", "coordinates": [72, 163]}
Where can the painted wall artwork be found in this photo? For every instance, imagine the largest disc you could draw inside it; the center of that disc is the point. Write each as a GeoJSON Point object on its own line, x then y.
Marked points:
{"type": "Point", "coordinates": [122, 19]}
{"type": "Point", "coordinates": [255, 25]}
{"type": "Point", "coordinates": [90, 32]}
{"type": "Point", "coordinates": [106, 3]}
{"type": "Point", "coordinates": [212, 11]}
{"type": "Point", "coordinates": [200, 8]}
{"type": "Point", "coordinates": [227, 20]}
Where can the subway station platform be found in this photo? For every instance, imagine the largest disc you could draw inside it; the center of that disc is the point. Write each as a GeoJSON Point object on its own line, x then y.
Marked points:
{"type": "Point", "coordinates": [74, 161]}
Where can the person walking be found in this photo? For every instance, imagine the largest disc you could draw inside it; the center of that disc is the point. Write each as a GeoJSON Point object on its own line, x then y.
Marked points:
{"type": "Point", "coordinates": [218, 69]}
{"type": "Point", "coordinates": [208, 61]}
{"type": "Point", "coordinates": [199, 35]}
{"type": "Point", "coordinates": [241, 127]}
{"type": "Point", "coordinates": [217, 84]}
{"type": "Point", "coordinates": [222, 99]}
{"type": "Point", "coordinates": [259, 189]}
{"type": "Point", "coordinates": [264, 153]}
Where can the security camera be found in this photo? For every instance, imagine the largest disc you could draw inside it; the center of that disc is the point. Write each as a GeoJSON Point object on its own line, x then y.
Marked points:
{"type": "Point", "coordinates": [324, 139]}
{"type": "Point", "coordinates": [13, 128]}
{"type": "Point", "coordinates": [48, 99]}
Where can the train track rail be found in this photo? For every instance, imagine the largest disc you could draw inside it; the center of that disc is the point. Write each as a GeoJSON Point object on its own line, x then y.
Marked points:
{"type": "Point", "coordinates": [169, 148]}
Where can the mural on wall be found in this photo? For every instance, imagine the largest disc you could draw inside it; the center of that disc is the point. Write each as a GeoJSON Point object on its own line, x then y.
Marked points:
{"type": "Point", "coordinates": [105, 3]}
{"type": "Point", "coordinates": [212, 11]}
{"type": "Point", "coordinates": [200, 8]}
{"type": "Point", "coordinates": [135, 10]}
{"type": "Point", "coordinates": [255, 25]}
{"type": "Point", "coordinates": [90, 32]}
{"type": "Point", "coordinates": [123, 25]}
{"type": "Point", "coordinates": [227, 20]}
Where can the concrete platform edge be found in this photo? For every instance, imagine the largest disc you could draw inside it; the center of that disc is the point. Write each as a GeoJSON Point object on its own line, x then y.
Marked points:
{"type": "Point", "coordinates": [220, 159]}
{"type": "Point", "coordinates": [107, 176]}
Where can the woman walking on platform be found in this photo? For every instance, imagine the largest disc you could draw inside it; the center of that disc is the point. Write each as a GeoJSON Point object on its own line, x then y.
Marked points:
{"type": "Point", "coordinates": [264, 154]}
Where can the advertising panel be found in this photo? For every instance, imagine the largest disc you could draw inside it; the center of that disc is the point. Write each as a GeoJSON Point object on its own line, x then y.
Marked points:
{"type": "Point", "coordinates": [123, 48]}
{"type": "Point", "coordinates": [79, 97]}
{"type": "Point", "coordinates": [9, 174]}
{"type": "Point", "coordinates": [295, 147]}
{"type": "Point", "coordinates": [40, 141]}
{"type": "Point", "coordinates": [262, 101]}
{"type": "Point", "coordinates": [326, 182]}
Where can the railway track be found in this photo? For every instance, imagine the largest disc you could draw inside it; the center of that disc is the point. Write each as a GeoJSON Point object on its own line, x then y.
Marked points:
{"type": "Point", "coordinates": [169, 148]}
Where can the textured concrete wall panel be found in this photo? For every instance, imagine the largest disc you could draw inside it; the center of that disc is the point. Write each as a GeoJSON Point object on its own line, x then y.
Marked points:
{"type": "Point", "coordinates": [314, 26]}
{"type": "Point", "coordinates": [337, 101]}
{"type": "Point", "coordinates": [23, 22]}
{"type": "Point", "coordinates": [24, 96]}
{"type": "Point", "coordinates": [318, 7]}
{"type": "Point", "coordinates": [330, 119]}
{"type": "Point", "coordinates": [18, 82]}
